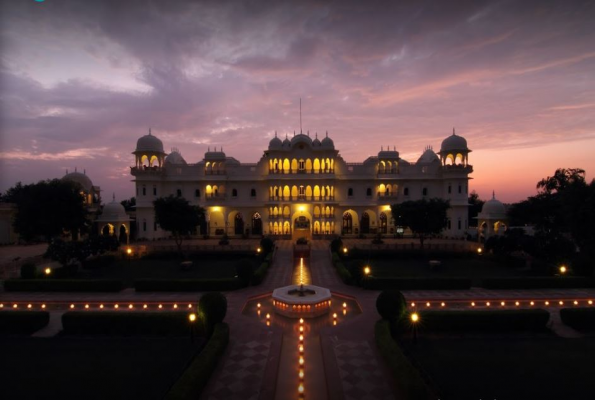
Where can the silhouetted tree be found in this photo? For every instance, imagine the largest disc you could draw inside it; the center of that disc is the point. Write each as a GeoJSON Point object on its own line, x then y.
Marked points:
{"type": "Point", "coordinates": [130, 204]}
{"type": "Point", "coordinates": [475, 206]}
{"type": "Point", "coordinates": [423, 217]}
{"type": "Point", "coordinates": [176, 215]}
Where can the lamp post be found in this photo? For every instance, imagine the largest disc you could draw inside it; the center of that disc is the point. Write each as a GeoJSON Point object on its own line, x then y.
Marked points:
{"type": "Point", "coordinates": [414, 321]}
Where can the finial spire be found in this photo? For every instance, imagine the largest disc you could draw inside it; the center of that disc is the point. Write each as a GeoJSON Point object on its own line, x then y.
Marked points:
{"type": "Point", "coordinates": [209, 149]}
{"type": "Point", "coordinates": [300, 116]}
{"type": "Point", "coordinates": [149, 131]}
{"type": "Point", "coordinates": [66, 172]}
{"type": "Point", "coordinates": [316, 135]}
{"type": "Point", "coordinates": [85, 171]}
{"type": "Point", "coordinates": [275, 133]}
{"type": "Point", "coordinates": [381, 148]}
{"type": "Point", "coordinates": [326, 133]}
{"type": "Point", "coordinates": [114, 197]}
{"type": "Point", "coordinates": [74, 169]}
{"type": "Point", "coordinates": [453, 130]}
{"type": "Point", "coordinates": [493, 195]}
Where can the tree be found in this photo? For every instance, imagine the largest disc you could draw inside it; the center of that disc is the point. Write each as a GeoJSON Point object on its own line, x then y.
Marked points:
{"type": "Point", "coordinates": [423, 217]}
{"type": "Point", "coordinates": [176, 215]}
{"type": "Point", "coordinates": [130, 204]}
{"type": "Point", "coordinates": [475, 206]}
{"type": "Point", "coordinates": [48, 208]}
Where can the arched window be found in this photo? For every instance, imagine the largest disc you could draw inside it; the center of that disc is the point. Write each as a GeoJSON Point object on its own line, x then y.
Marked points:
{"type": "Point", "coordinates": [424, 192]}
{"type": "Point", "coordinates": [234, 192]}
{"type": "Point", "coordinates": [347, 223]}
{"type": "Point", "coordinates": [154, 190]}
{"type": "Point", "coordinates": [350, 192]}
{"type": "Point", "coordinates": [179, 192]}
{"type": "Point", "coordinates": [256, 224]}
{"type": "Point", "coordinates": [252, 192]}
{"type": "Point", "coordinates": [406, 191]}
{"type": "Point", "coordinates": [144, 190]}
{"type": "Point", "coordinates": [369, 192]}
{"type": "Point", "coordinates": [450, 189]}
{"type": "Point", "coordinates": [197, 193]}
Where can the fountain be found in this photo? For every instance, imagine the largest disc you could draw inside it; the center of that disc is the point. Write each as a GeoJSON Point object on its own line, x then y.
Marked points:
{"type": "Point", "coordinates": [302, 300]}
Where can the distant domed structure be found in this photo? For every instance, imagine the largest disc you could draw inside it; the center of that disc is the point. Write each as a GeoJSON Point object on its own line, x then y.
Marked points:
{"type": "Point", "coordinates": [275, 143]}
{"type": "Point", "coordinates": [327, 143]}
{"type": "Point", "coordinates": [81, 179]}
{"type": "Point", "coordinates": [316, 141]}
{"type": "Point", "coordinates": [454, 150]}
{"type": "Point", "coordinates": [114, 221]}
{"type": "Point", "coordinates": [428, 156]}
{"type": "Point", "coordinates": [175, 158]}
{"type": "Point", "coordinates": [149, 152]}
{"type": "Point", "coordinates": [492, 220]}
{"type": "Point", "coordinates": [149, 143]}
{"type": "Point", "coordinates": [90, 192]}
{"type": "Point", "coordinates": [301, 138]}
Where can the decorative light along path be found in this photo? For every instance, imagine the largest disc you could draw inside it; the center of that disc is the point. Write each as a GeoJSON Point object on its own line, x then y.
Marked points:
{"type": "Point", "coordinates": [301, 274]}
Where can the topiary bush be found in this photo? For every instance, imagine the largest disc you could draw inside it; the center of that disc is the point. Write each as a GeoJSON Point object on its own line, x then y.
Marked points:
{"type": "Point", "coordinates": [336, 245]}
{"type": "Point", "coordinates": [212, 307]}
{"type": "Point", "coordinates": [391, 305]}
{"type": "Point", "coordinates": [28, 271]}
{"type": "Point", "coordinates": [267, 245]}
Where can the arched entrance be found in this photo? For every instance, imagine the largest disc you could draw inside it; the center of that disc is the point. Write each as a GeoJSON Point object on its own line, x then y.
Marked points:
{"type": "Point", "coordinates": [238, 223]}
{"type": "Point", "coordinates": [301, 222]}
{"type": "Point", "coordinates": [365, 223]}
{"type": "Point", "coordinates": [256, 224]}
{"type": "Point", "coordinates": [123, 238]}
{"type": "Point", "coordinates": [383, 223]}
{"type": "Point", "coordinates": [106, 231]}
{"type": "Point", "coordinates": [347, 223]}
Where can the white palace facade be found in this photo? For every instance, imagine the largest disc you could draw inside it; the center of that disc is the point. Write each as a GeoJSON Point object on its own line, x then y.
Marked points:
{"type": "Point", "coordinates": [301, 187]}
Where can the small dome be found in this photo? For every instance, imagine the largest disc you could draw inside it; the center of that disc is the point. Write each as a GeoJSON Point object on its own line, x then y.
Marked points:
{"type": "Point", "coordinates": [175, 158]}
{"type": "Point", "coordinates": [454, 142]}
{"type": "Point", "coordinates": [428, 157]}
{"type": "Point", "coordinates": [493, 208]}
{"type": "Point", "coordinates": [301, 138]}
{"type": "Point", "coordinates": [275, 143]}
{"type": "Point", "coordinates": [81, 179]}
{"type": "Point", "coordinates": [316, 142]}
{"type": "Point", "coordinates": [286, 142]}
{"type": "Point", "coordinates": [113, 212]}
{"type": "Point", "coordinates": [327, 142]}
{"type": "Point", "coordinates": [149, 143]}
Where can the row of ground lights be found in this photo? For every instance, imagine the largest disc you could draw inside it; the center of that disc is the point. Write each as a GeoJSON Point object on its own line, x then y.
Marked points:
{"type": "Point", "coordinates": [504, 303]}
{"type": "Point", "coordinates": [101, 306]}
{"type": "Point", "coordinates": [301, 360]}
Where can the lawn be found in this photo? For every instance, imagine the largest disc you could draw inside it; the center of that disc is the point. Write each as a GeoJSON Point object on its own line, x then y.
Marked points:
{"type": "Point", "coordinates": [507, 367]}
{"type": "Point", "coordinates": [92, 367]}
{"type": "Point", "coordinates": [466, 267]}
{"type": "Point", "coordinates": [208, 267]}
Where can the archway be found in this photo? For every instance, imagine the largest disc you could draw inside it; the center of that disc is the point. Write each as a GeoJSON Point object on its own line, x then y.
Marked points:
{"type": "Point", "coordinates": [216, 223]}
{"type": "Point", "coordinates": [347, 223]}
{"type": "Point", "coordinates": [107, 230]}
{"type": "Point", "coordinates": [383, 223]}
{"type": "Point", "coordinates": [365, 223]}
{"type": "Point", "coordinates": [123, 238]}
{"type": "Point", "coordinates": [256, 224]}
{"type": "Point", "coordinates": [238, 224]}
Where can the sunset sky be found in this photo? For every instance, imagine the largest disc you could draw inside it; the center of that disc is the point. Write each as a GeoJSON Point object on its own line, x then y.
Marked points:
{"type": "Point", "coordinates": [81, 81]}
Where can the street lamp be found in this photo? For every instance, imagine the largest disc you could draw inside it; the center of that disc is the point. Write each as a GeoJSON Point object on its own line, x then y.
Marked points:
{"type": "Point", "coordinates": [47, 271]}
{"type": "Point", "coordinates": [563, 269]}
{"type": "Point", "coordinates": [344, 250]}
{"type": "Point", "coordinates": [367, 271]}
{"type": "Point", "coordinates": [414, 320]}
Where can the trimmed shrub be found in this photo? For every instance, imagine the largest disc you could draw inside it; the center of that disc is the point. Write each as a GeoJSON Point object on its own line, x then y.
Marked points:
{"type": "Point", "coordinates": [126, 323]}
{"type": "Point", "coordinates": [63, 285]}
{"type": "Point", "coordinates": [565, 282]}
{"type": "Point", "coordinates": [185, 285]}
{"type": "Point", "coordinates": [391, 305]}
{"type": "Point", "coordinates": [196, 376]}
{"type": "Point", "coordinates": [336, 245]}
{"type": "Point", "coordinates": [23, 322]}
{"type": "Point", "coordinates": [344, 274]}
{"type": "Point", "coordinates": [375, 283]}
{"type": "Point", "coordinates": [407, 377]}
{"type": "Point", "coordinates": [212, 307]}
{"type": "Point", "coordinates": [483, 321]}
{"type": "Point", "coordinates": [267, 245]}
{"type": "Point", "coordinates": [244, 270]}
{"type": "Point", "coordinates": [581, 319]}
{"type": "Point", "coordinates": [28, 271]}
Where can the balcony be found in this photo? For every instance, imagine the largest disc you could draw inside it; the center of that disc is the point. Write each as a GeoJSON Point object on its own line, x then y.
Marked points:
{"type": "Point", "coordinates": [145, 170]}
{"type": "Point", "coordinates": [301, 198]}
{"type": "Point", "coordinates": [215, 197]}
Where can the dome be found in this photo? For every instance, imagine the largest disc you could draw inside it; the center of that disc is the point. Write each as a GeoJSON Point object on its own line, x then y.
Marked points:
{"type": "Point", "coordinates": [113, 212]}
{"type": "Point", "coordinates": [286, 142]}
{"type": "Point", "coordinates": [149, 143]}
{"type": "Point", "coordinates": [428, 157]}
{"type": "Point", "coordinates": [301, 138]}
{"type": "Point", "coordinates": [81, 179]}
{"type": "Point", "coordinates": [316, 142]}
{"type": "Point", "coordinates": [175, 158]}
{"type": "Point", "coordinates": [275, 143]}
{"type": "Point", "coordinates": [327, 142]}
{"type": "Point", "coordinates": [493, 207]}
{"type": "Point", "coordinates": [454, 142]}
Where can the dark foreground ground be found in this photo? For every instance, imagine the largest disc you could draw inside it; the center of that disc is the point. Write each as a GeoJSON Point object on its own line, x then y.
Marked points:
{"type": "Point", "coordinates": [92, 367]}
{"type": "Point", "coordinates": [539, 367]}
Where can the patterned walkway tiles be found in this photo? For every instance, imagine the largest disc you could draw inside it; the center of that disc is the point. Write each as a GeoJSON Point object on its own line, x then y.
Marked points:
{"type": "Point", "coordinates": [361, 377]}
{"type": "Point", "coordinates": [243, 371]}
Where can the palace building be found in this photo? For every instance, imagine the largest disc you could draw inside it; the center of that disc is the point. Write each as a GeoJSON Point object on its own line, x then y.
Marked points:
{"type": "Point", "coordinates": [301, 187]}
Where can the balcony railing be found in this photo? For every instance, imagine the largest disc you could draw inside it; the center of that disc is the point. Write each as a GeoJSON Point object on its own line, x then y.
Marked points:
{"type": "Point", "coordinates": [301, 198]}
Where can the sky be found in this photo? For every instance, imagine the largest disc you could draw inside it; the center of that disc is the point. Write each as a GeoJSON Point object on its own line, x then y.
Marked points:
{"type": "Point", "coordinates": [81, 81]}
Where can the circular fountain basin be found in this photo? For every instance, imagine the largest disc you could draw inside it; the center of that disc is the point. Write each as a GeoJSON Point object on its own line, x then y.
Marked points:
{"type": "Point", "coordinates": [297, 302]}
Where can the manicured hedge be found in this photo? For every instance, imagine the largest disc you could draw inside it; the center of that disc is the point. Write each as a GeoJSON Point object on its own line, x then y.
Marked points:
{"type": "Point", "coordinates": [63, 285]}
{"type": "Point", "coordinates": [128, 323]}
{"type": "Point", "coordinates": [343, 272]}
{"type": "Point", "coordinates": [579, 318]}
{"type": "Point", "coordinates": [186, 285]}
{"type": "Point", "coordinates": [481, 321]}
{"type": "Point", "coordinates": [407, 377]}
{"type": "Point", "coordinates": [23, 322]}
{"type": "Point", "coordinates": [195, 378]}
{"type": "Point", "coordinates": [374, 283]}
{"type": "Point", "coordinates": [565, 282]}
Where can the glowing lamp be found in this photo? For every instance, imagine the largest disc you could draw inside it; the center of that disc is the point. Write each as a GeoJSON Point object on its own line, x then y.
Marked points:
{"type": "Point", "coordinates": [427, 304]}
{"type": "Point", "coordinates": [516, 303]}
{"type": "Point", "coordinates": [301, 320]}
{"type": "Point", "coordinates": [488, 304]}
{"type": "Point", "coordinates": [412, 304]}
{"type": "Point", "coordinates": [268, 316]}
{"type": "Point", "coordinates": [129, 251]}
{"type": "Point", "coordinates": [101, 306]}
{"type": "Point", "coordinates": [175, 306]}
{"type": "Point", "coordinates": [258, 250]}
{"type": "Point", "coordinates": [192, 317]}
{"type": "Point", "coordinates": [258, 305]}
{"type": "Point", "coordinates": [301, 360]}
{"type": "Point", "coordinates": [116, 306]}
{"type": "Point", "coordinates": [502, 304]}
{"type": "Point", "coordinates": [130, 306]}
{"type": "Point", "coordinates": [301, 389]}
{"type": "Point", "coordinates": [43, 306]}
{"type": "Point", "coordinates": [575, 303]}
{"type": "Point", "coordinates": [189, 305]}
{"type": "Point", "coordinates": [472, 304]}
{"type": "Point", "coordinates": [547, 303]}
{"type": "Point", "coordinates": [144, 306]}
{"type": "Point", "coordinates": [479, 250]}
{"type": "Point", "coordinates": [563, 269]}
{"type": "Point", "coordinates": [301, 374]}
{"type": "Point", "coordinates": [590, 302]}
{"type": "Point", "coordinates": [86, 306]}
{"type": "Point", "coordinates": [344, 305]}
{"type": "Point", "coordinates": [14, 306]}
{"type": "Point", "coordinates": [414, 317]}
{"type": "Point", "coordinates": [72, 306]}
{"type": "Point", "coordinates": [561, 303]}
{"type": "Point", "coordinates": [345, 250]}
{"type": "Point", "coordinates": [367, 270]}
{"type": "Point", "coordinates": [47, 271]}
{"type": "Point", "coordinates": [442, 304]}
{"type": "Point", "coordinates": [532, 303]}
{"type": "Point", "coordinates": [335, 315]}
{"type": "Point", "coordinates": [29, 306]}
